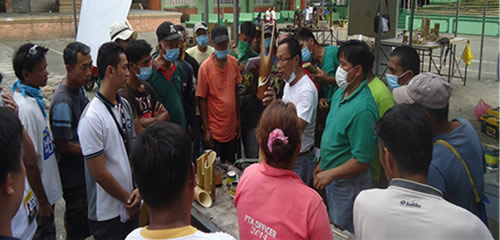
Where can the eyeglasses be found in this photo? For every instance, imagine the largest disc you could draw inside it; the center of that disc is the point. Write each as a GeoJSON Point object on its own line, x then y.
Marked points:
{"type": "Point", "coordinates": [32, 51]}
{"type": "Point", "coordinates": [283, 61]}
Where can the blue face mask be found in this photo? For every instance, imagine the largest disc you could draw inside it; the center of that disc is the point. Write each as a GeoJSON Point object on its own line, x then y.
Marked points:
{"type": "Point", "coordinates": [392, 81]}
{"type": "Point", "coordinates": [221, 54]}
{"type": "Point", "coordinates": [145, 73]}
{"type": "Point", "coordinates": [267, 42]}
{"type": "Point", "coordinates": [202, 40]}
{"type": "Point", "coordinates": [306, 55]}
{"type": "Point", "coordinates": [291, 78]}
{"type": "Point", "coordinates": [172, 54]}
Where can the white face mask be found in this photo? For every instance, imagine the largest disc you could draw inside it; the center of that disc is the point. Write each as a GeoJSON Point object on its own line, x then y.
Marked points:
{"type": "Point", "coordinates": [341, 78]}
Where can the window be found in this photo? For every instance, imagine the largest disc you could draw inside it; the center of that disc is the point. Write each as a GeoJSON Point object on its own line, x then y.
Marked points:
{"type": "Point", "coordinates": [224, 2]}
{"type": "Point", "coordinates": [173, 3]}
{"type": "Point", "coordinates": [263, 2]}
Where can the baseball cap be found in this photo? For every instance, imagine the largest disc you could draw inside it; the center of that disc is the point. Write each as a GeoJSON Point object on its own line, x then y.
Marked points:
{"type": "Point", "coordinates": [121, 30]}
{"type": "Point", "coordinates": [200, 25]}
{"type": "Point", "coordinates": [427, 89]}
{"type": "Point", "coordinates": [167, 31]}
{"type": "Point", "coordinates": [219, 34]}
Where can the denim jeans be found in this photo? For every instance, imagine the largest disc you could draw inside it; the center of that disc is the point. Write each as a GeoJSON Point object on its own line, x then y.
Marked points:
{"type": "Point", "coordinates": [304, 166]}
{"type": "Point", "coordinates": [341, 194]}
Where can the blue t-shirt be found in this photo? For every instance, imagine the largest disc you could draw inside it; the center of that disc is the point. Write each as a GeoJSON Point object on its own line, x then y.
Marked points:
{"type": "Point", "coordinates": [65, 110]}
{"type": "Point", "coordinates": [447, 173]}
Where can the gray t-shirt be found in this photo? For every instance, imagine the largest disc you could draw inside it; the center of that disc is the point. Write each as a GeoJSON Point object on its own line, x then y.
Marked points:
{"type": "Point", "coordinates": [65, 109]}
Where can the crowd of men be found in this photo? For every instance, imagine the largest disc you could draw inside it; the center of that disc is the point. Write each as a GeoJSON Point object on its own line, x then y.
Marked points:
{"type": "Point", "coordinates": [154, 113]}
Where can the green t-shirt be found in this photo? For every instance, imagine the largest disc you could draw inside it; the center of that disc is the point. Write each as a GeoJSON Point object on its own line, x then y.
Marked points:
{"type": "Point", "coordinates": [384, 100]}
{"type": "Point", "coordinates": [330, 65]}
{"type": "Point", "coordinates": [169, 91]}
{"type": "Point", "coordinates": [349, 128]}
{"type": "Point", "coordinates": [382, 95]}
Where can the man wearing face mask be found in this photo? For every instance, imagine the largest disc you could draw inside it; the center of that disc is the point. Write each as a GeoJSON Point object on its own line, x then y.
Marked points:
{"type": "Point", "coordinates": [327, 61]}
{"type": "Point", "coordinates": [140, 95]}
{"type": "Point", "coordinates": [349, 143]}
{"type": "Point", "coordinates": [403, 65]}
{"type": "Point", "coordinates": [299, 90]}
{"type": "Point", "coordinates": [166, 78]}
{"type": "Point", "coordinates": [218, 98]}
{"type": "Point", "coordinates": [201, 51]}
{"type": "Point", "coordinates": [244, 51]}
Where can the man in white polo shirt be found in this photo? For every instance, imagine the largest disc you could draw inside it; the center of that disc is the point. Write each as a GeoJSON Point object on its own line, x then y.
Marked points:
{"type": "Point", "coordinates": [409, 208]}
{"type": "Point", "coordinates": [105, 130]}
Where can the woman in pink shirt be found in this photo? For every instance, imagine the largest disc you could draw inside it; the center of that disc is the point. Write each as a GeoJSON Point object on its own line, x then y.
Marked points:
{"type": "Point", "coordinates": [271, 199]}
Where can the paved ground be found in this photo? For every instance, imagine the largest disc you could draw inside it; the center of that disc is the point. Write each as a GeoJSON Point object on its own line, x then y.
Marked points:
{"type": "Point", "coordinates": [462, 102]}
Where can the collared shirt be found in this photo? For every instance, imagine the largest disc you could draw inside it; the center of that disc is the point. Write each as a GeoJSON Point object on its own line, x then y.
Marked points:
{"type": "Point", "coordinates": [181, 233]}
{"type": "Point", "coordinates": [99, 135]}
{"type": "Point", "coordinates": [349, 128]}
{"type": "Point", "coordinates": [169, 88]}
{"type": "Point", "coordinates": [329, 65]}
{"type": "Point", "coordinates": [292, 210]}
{"type": "Point", "coordinates": [411, 210]}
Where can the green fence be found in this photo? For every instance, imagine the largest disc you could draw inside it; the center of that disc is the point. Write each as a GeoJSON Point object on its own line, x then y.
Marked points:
{"type": "Point", "coordinates": [466, 24]}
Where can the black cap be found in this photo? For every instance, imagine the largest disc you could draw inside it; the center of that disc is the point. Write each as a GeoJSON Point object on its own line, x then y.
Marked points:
{"type": "Point", "coordinates": [219, 34]}
{"type": "Point", "coordinates": [167, 31]}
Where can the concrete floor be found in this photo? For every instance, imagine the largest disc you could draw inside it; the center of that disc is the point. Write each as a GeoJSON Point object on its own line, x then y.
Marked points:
{"type": "Point", "coordinates": [462, 103]}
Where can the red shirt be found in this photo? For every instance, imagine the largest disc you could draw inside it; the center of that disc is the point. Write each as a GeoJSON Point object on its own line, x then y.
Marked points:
{"type": "Point", "coordinates": [275, 203]}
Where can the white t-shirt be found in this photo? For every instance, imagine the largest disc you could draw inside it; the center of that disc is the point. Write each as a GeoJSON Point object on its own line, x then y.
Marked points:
{"type": "Point", "coordinates": [304, 95]}
{"type": "Point", "coordinates": [22, 227]}
{"type": "Point", "coordinates": [183, 233]}
{"type": "Point", "coordinates": [98, 135]}
{"type": "Point", "coordinates": [268, 15]}
{"type": "Point", "coordinates": [199, 55]}
{"type": "Point", "coordinates": [410, 210]}
{"type": "Point", "coordinates": [35, 124]}
{"type": "Point", "coordinates": [273, 14]}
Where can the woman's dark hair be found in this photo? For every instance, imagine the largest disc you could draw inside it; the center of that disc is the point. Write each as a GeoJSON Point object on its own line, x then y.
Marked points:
{"type": "Point", "coordinates": [282, 116]}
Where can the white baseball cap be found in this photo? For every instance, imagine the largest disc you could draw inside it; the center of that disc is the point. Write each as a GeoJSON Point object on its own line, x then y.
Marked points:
{"type": "Point", "coordinates": [121, 30]}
